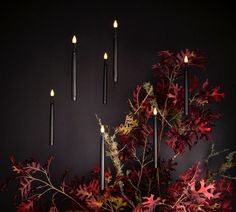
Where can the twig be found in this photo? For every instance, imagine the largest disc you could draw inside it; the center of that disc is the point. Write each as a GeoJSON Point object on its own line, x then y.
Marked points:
{"type": "Point", "coordinates": [52, 187]}
{"type": "Point", "coordinates": [175, 156]}
{"type": "Point", "coordinates": [195, 172]}
{"type": "Point", "coordinates": [229, 177]}
{"type": "Point", "coordinates": [163, 117]}
{"type": "Point", "coordinates": [142, 163]}
{"type": "Point", "coordinates": [150, 90]}
{"type": "Point", "coordinates": [123, 194]}
{"type": "Point", "coordinates": [179, 200]}
{"type": "Point", "coordinates": [150, 161]}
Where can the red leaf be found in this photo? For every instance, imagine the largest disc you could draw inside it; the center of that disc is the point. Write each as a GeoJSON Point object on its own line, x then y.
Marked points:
{"type": "Point", "coordinates": [94, 204]}
{"type": "Point", "coordinates": [206, 190]}
{"type": "Point", "coordinates": [150, 202]}
{"type": "Point", "coordinates": [216, 94]}
{"type": "Point", "coordinates": [48, 163]}
{"type": "Point", "coordinates": [32, 167]}
{"type": "Point", "coordinates": [136, 95]}
{"type": "Point", "coordinates": [203, 129]}
{"type": "Point", "coordinates": [93, 186]}
{"type": "Point", "coordinates": [27, 206]}
{"type": "Point", "coordinates": [82, 192]}
{"type": "Point", "coordinates": [174, 94]}
{"type": "Point", "coordinates": [25, 186]}
{"type": "Point", "coordinates": [191, 174]}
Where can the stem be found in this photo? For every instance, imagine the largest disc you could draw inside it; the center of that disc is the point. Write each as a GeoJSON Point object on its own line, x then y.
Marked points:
{"type": "Point", "coordinates": [229, 177]}
{"type": "Point", "coordinates": [142, 166]}
{"type": "Point", "coordinates": [44, 192]}
{"type": "Point", "coordinates": [179, 200]}
{"type": "Point", "coordinates": [70, 197]}
{"type": "Point", "coordinates": [120, 183]}
{"type": "Point", "coordinates": [150, 90]}
{"type": "Point", "coordinates": [175, 156]}
{"type": "Point", "coordinates": [52, 187]}
{"type": "Point", "coordinates": [142, 163]}
{"type": "Point", "coordinates": [195, 173]}
{"type": "Point", "coordinates": [163, 117]}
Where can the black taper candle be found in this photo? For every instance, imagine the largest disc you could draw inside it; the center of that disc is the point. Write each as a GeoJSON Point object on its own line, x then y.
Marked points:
{"type": "Point", "coordinates": [51, 119]}
{"type": "Point", "coordinates": [186, 101]}
{"type": "Point", "coordinates": [155, 138]}
{"type": "Point", "coordinates": [74, 71]}
{"type": "Point", "coordinates": [102, 158]}
{"type": "Point", "coordinates": [115, 52]}
{"type": "Point", "coordinates": [105, 79]}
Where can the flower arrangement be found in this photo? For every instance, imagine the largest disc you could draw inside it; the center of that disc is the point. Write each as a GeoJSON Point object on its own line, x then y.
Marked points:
{"type": "Point", "coordinates": [135, 185]}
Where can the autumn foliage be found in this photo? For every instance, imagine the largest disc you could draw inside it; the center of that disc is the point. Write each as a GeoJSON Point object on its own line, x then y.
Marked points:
{"type": "Point", "coordinates": [135, 184]}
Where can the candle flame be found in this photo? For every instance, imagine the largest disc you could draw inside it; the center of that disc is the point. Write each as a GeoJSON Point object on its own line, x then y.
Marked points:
{"type": "Point", "coordinates": [102, 129]}
{"type": "Point", "coordinates": [52, 93]}
{"type": "Point", "coordinates": [105, 56]}
{"type": "Point", "coordinates": [115, 24]}
{"type": "Point", "coordinates": [74, 40]}
{"type": "Point", "coordinates": [185, 59]}
{"type": "Point", "coordinates": [154, 111]}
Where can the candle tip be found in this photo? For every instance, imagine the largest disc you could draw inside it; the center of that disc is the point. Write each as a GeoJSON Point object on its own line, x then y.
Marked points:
{"type": "Point", "coordinates": [154, 111]}
{"type": "Point", "coordinates": [52, 93]}
{"type": "Point", "coordinates": [105, 56]}
{"type": "Point", "coordinates": [115, 24]}
{"type": "Point", "coordinates": [74, 40]}
{"type": "Point", "coordinates": [186, 59]}
{"type": "Point", "coordinates": [102, 129]}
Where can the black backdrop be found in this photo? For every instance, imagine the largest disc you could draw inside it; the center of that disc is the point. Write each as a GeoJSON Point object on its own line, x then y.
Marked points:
{"type": "Point", "coordinates": [35, 56]}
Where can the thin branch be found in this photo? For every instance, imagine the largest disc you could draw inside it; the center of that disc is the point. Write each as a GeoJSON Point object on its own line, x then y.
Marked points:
{"type": "Point", "coordinates": [142, 163]}
{"type": "Point", "coordinates": [49, 184]}
{"type": "Point", "coordinates": [229, 177]}
{"type": "Point", "coordinates": [150, 90]}
{"type": "Point", "coordinates": [41, 194]}
{"type": "Point", "coordinates": [175, 156]}
{"type": "Point", "coordinates": [163, 117]}
{"type": "Point", "coordinates": [150, 161]}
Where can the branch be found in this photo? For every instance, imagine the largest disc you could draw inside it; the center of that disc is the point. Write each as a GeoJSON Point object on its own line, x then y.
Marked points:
{"type": "Point", "coordinates": [145, 98]}
{"type": "Point", "coordinates": [229, 177]}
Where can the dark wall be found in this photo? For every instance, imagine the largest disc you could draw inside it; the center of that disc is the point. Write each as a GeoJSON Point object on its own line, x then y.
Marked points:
{"type": "Point", "coordinates": [35, 56]}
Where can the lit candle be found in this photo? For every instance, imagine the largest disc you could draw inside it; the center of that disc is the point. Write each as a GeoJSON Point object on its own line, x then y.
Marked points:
{"type": "Point", "coordinates": [186, 106]}
{"type": "Point", "coordinates": [73, 73]}
{"type": "Point", "coordinates": [51, 119]}
{"type": "Point", "coordinates": [105, 81]}
{"type": "Point", "coordinates": [155, 138]}
{"type": "Point", "coordinates": [102, 157]}
{"type": "Point", "coordinates": [115, 53]}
